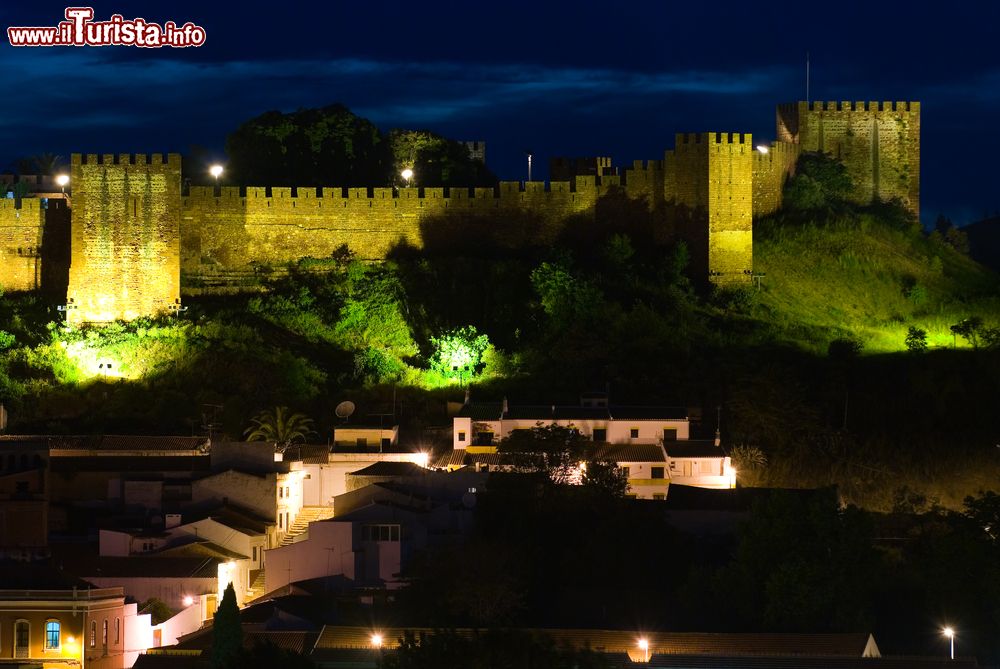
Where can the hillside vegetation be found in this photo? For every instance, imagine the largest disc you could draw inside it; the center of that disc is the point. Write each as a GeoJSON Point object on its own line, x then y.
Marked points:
{"type": "Point", "coordinates": [868, 358]}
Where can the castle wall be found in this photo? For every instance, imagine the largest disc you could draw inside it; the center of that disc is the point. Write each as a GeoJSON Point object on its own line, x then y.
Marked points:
{"type": "Point", "coordinates": [879, 143]}
{"type": "Point", "coordinates": [21, 227]}
{"type": "Point", "coordinates": [125, 237]}
{"type": "Point", "coordinates": [770, 171]}
{"type": "Point", "coordinates": [277, 225]}
{"type": "Point", "coordinates": [709, 183]}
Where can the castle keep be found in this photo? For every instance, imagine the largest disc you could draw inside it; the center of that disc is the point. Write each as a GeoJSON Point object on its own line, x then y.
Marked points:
{"type": "Point", "coordinates": [137, 242]}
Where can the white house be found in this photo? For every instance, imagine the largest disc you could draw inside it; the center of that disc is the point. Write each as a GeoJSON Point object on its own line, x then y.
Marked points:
{"type": "Point", "coordinates": [651, 443]}
{"type": "Point", "coordinates": [481, 425]}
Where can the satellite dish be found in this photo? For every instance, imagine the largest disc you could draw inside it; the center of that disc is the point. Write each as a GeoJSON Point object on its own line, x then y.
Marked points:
{"type": "Point", "coordinates": [344, 409]}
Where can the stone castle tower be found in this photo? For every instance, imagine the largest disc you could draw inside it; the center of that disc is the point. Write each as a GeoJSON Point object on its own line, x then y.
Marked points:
{"type": "Point", "coordinates": [879, 143]}
{"type": "Point", "coordinates": [125, 237]}
{"type": "Point", "coordinates": [708, 178]}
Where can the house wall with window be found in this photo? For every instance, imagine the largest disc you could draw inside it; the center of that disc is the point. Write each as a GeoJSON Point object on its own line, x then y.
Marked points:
{"type": "Point", "coordinates": [646, 479]}
{"type": "Point", "coordinates": [55, 628]}
{"type": "Point", "coordinates": [323, 481]}
{"type": "Point", "coordinates": [705, 471]}
{"type": "Point", "coordinates": [474, 435]}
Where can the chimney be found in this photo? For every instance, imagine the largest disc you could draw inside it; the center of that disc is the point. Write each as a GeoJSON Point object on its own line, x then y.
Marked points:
{"type": "Point", "coordinates": [505, 409]}
{"type": "Point", "coordinates": [718, 438]}
{"type": "Point", "coordinates": [468, 397]}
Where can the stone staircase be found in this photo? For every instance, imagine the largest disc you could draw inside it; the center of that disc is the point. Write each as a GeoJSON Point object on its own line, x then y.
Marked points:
{"type": "Point", "coordinates": [256, 588]}
{"type": "Point", "coordinates": [308, 514]}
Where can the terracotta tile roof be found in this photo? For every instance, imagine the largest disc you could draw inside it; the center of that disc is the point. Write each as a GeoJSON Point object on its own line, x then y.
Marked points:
{"type": "Point", "coordinates": [384, 468]}
{"type": "Point", "coordinates": [694, 448]}
{"type": "Point", "coordinates": [628, 453]}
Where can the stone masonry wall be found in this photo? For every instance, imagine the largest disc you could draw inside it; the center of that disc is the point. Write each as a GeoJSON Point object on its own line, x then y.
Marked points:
{"type": "Point", "coordinates": [125, 238]}
{"type": "Point", "coordinates": [879, 143]}
{"type": "Point", "coordinates": [770, 171]}
{"type": "Point", "coordinates": [21, 228]}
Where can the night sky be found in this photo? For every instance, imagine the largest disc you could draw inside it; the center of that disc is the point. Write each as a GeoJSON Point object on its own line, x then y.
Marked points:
{"type": "Point", "coordinates": [580, 78]}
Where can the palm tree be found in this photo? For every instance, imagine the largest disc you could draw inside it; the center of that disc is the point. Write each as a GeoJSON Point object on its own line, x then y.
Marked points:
{"type": "Point", "coordinates": [280, 426]}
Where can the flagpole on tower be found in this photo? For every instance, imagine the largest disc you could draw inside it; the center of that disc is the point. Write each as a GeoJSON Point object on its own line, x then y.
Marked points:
{"type": "Point", "coordinates": [807, 77]}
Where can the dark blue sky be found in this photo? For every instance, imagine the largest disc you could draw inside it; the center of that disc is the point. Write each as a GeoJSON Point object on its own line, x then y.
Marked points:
{"type": "Point", "coordinates": [560, 78]}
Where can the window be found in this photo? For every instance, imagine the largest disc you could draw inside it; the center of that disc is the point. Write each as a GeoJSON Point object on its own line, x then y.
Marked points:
{"type": "Point", "coordinates": [669, 434]}
{"type": "Point", "coordinates": [254, 553]}
{"type": "Point", "coordinates": [625, 471]}
{"type": "Point", "coordinates": [656, 472]}
{"type": "Point", "coordinates": [93, 633]}
{"type": "Point", "coordinates": [461, 436]}
{"type": "Point", "coordinates": [52, 635]}
{"type": "Point", "coordinates": [22, 632]}
{"type": "Point", "coordinates": [362, 442]}
{"type": "Point", "coordinates": [600, 434]}
{"type": "Point", "coordinates": [281, 492]}
{"type": "Point", "coordinates": [104, 634]}
{"type": "Point", "coordinates": [118, 631]}
{"type": "Point", "coordinates": [659, 496]}
{"type": "Point", "coordinates": [634, 433]}
{"type": "Point", "coordinates": [386, 442]}
{"type": "Point", "coordinates": [281, 521]}
{"type": "Point", "coordinates": [380, 533]}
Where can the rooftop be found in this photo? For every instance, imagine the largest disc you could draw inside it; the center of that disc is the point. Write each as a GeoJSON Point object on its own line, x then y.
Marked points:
{"type": "Point", "coordinates": [494, 411]}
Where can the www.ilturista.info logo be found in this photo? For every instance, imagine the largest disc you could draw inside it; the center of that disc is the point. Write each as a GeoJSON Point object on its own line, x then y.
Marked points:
{"type": "Point", "coordinates": [79, 29]}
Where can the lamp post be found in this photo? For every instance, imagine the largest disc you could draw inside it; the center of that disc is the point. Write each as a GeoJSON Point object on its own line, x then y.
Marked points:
{"type": "Point", "coordinates": [216, 171]}
{"type": "Point", "coordinates": [61, 181]}
{"type": "Point", "coordinates": [950, 633]}
{"type": "Point", "coordinates": [407, 174]}
{"type": "Point", "coordinates": [644, 647]}
{"type": "Point", "coordinates": [529, 167]}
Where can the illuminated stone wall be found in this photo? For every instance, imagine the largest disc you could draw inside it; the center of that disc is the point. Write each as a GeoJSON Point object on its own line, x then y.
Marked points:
{"type": "Point", "coordinates": [879, 143]}
{"type": "Point", "coordinates": [709, 183]}
{"type": "Point", "coordinates": [21, 229]}
{"type": "Point", "coordinates": [279, 225]}
{"type": "Point", "coordinates": [770, 171]}
{"type": "Point", "coordinates": [125, 237]}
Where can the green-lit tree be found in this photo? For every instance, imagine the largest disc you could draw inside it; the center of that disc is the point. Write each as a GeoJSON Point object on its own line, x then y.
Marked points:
{"type": "Point", "coordinates": [227, 632]}
{"type": "Point", "coordinates": [916, 340]}
{"type": "Point", "coordinates": [280, 426]}
{"type": "Point", "coordinates": [459, 353]}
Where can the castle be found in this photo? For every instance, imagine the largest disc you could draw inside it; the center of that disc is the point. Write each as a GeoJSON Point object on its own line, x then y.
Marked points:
{"type": "Point", "coordinates": [137, 242]}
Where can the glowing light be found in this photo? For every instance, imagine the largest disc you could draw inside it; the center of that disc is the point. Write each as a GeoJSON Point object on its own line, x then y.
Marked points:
{"type": "Point", "coordinates": [215, 171]}
{"type": "Point", "coordinates": [407, 174]}
{"type": "Point", "coordinates": [950, 633]}
{"type": "Point", "coordinates": [62, 180]}
{"type": "Point", "coordinates": [762, 148]}
{"type": "Point", "coordinates": [188, 600]}
{"type": "Point", "coordinates": [422, 459]}
{"type": "Point", "coordinates": [644, 647]}
{"type": "Point", "coordinates": [377, 640]}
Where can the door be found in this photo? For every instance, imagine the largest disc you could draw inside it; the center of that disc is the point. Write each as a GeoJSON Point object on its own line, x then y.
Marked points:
{"type": "Point", "coordinates": [687, 468]}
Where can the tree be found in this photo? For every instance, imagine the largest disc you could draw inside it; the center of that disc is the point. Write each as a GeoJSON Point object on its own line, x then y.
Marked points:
{"type": "Point", "coordinates": [916, 340]}
{"type": "Point", "coordinates": [279, 426]}
{"type": "Point", "coordinates": [435, 160]}
{"type": "Point", "coordinates": [556, 450]}
{"type": "Point", "coordinates": [459, 352]}
{"type": "Point", "coordinates": [227, 632]}
{"type": "Point", "coordinates": [328, 146]}
{"type": "Point", "coordinates": [969, 329]}
{"type": "Point", "coordinates": [605, 478]}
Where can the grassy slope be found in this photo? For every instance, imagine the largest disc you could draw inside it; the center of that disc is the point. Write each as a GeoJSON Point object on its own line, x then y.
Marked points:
{"type": "Point", "coordinates": [851, 279]}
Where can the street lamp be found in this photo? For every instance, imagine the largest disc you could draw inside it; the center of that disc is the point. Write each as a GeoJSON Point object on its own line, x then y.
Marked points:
{"type": "Point", "coordinates": [407, 174]}
{"type": "Point", "coordinates": [950, 633]}
{"type": "Point", "coordinates": [644, 647]}
{"type": "Point", "coordinates": [188, 600]}
{"type": "Point", "coordinates": [61, 181]}
{"type": "Point", "coordinates": [376, 640]}
{"type": "Point", "coordinates": [215, 171]}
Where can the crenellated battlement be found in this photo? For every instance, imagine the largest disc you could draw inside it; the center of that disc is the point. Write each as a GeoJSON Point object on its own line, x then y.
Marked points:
{"type": "Point", "coordinates": [862, 106]}
{"type": "Point", "coordinates": [172, 159]}
{"type": "Point", "coordinates": [684, 141]}
{"type": "Point", "coordinates": [26, 205]}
